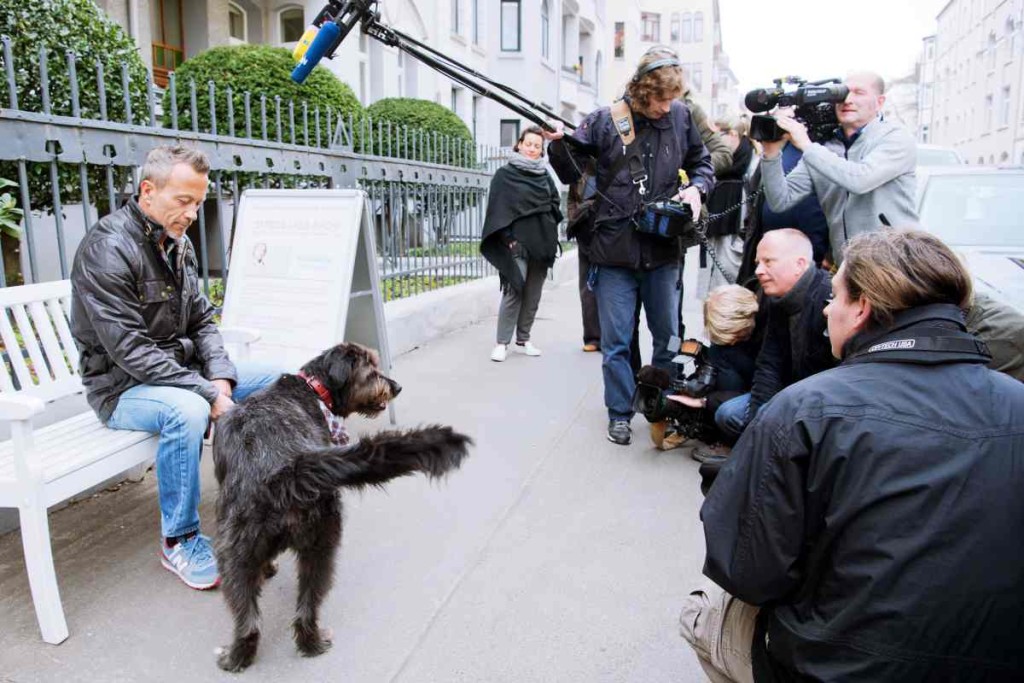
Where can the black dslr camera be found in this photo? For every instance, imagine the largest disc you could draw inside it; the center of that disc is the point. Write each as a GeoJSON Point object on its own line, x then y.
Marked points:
{"type": "Point", "coordinates": [815, 107]}
{"type": "Point", "coordinates": [654, 386]}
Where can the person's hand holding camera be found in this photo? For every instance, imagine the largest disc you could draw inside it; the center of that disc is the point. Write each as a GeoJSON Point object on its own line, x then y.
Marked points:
{"type": "Point", "coordinates": [796, 132]}
{"type": "Point", "coordinates": [689, 401]}
{"type": "Point", "coordinates": [690, 196]}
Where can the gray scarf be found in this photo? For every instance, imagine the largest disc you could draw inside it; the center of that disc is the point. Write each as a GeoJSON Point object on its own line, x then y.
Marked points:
{"type": "Point", "coordinates": [526, 165]}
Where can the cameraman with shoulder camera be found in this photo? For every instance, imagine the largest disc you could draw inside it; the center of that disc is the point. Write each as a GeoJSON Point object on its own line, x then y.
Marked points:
{"type": "Point", "coordinates": [867, 526]}
{"type": "Point", "coordinates": [629, 262]}
{"type": "Point", "coordinates": [864, 173]}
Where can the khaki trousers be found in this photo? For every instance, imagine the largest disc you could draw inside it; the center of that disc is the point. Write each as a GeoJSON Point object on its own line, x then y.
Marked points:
{"type": "Point", "coordinates": [720, 628]}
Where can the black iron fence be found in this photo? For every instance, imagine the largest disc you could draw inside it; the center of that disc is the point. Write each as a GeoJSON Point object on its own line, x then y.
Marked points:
{"type": "Point", "coordinates": [72, 164]}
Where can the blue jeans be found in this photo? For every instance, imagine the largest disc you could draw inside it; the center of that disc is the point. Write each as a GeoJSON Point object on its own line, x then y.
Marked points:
{"type": "Point", "coordinates": [730, 416]}
{"type": "Point", "coordinates": [180, 417]}
{"type": "Point", "coordinates": [617, 291]}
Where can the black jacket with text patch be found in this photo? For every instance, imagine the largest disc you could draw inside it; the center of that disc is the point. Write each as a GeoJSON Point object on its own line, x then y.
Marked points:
{"type": "Point", "coordinates": [874, 512]}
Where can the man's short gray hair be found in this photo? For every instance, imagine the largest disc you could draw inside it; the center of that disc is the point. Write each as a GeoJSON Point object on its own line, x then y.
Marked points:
{"type": "Point", "coordinates": [161, 160]}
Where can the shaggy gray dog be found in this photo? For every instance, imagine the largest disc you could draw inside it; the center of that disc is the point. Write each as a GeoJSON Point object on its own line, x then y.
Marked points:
{"type": "Point", "coordinates": [280, 458]}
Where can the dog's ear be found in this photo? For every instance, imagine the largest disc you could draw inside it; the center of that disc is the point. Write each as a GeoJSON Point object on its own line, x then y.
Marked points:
{"type": "Point", "coordinates": [338, 371]}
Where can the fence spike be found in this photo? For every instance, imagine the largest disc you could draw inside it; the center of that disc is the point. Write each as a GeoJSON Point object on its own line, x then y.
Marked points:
{"type": "Point", "coordinates": [12, 85]}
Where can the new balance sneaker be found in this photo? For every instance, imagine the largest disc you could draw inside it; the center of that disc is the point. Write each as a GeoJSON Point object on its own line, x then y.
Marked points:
{"type": "Point", "coordinates": [499, 353]}
{"type": "Point", "coordinates": [620, 432]}
{"type": "Point", "coordinates": [192, 561]}
{"type": "Point", "coordinates": [528, 348]}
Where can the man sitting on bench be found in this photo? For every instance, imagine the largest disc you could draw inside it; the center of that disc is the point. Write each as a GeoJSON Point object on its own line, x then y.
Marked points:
{"type": "Point", "coordinates": [151, 357]}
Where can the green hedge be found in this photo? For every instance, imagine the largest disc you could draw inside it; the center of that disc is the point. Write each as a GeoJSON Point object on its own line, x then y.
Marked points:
{"type": "Point", "coordinates": [260, 70]}
{"type": "Point", "coordinates": [80, 27]}
{"type": "Point", "coordinates": [428, 123]}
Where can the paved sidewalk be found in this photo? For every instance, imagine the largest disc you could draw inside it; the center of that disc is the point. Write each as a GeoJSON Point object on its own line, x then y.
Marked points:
{"type": "Point", "coordinates": [552, 555]}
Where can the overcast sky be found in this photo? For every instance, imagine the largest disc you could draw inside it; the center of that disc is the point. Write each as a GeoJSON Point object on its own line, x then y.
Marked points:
{"type": "Point", "coordinates": [816, 40]}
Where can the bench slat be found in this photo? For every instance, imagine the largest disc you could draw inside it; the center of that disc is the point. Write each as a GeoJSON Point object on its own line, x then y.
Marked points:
{"type": "Point", "coordinates": [70, 445]}
{"type": "Point", "coordinates": [43, 376]}
{"type": "Point", "coordinates": [65, 445]}
{"type": "Point", "coordinates": [14, 352]}
{"type": "Point", "coordinates": [57, 313]}
{"type": "Point", "coordinates": [25, 294]}
{"type": "Point", "coordinates": [44, 328]}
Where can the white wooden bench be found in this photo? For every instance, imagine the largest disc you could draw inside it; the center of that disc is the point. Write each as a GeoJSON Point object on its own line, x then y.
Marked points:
{"type": "Point", "coordinates": [42, 467]}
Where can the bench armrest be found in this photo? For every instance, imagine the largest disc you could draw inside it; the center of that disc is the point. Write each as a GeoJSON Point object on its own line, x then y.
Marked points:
{"type": "Point", "coordinates": [242, 338]}
{"type": "Point", "coordinates": [17, 407]}
{"type": "Point", "coordinates": [240, 335]}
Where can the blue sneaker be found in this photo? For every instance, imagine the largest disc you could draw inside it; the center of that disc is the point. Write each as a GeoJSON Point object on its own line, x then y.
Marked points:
{"type": "Point", "coordinates": [193, 562]}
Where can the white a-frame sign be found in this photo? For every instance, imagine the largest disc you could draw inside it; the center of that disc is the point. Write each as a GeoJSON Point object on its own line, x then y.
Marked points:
{"type": "Point", "coordinates": [304, 275]}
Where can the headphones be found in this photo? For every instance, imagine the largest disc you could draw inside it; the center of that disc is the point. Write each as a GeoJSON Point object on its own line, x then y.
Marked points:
{"type": "Point", "coordinates": [669, 60]}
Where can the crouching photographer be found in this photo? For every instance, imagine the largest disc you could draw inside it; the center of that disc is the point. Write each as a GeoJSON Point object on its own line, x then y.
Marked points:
{"type": "Point", "coordinates": [684, 408]}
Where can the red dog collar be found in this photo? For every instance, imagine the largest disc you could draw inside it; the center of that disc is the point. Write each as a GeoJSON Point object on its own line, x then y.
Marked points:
{"type": "Point", "coordinates": [321, 391]}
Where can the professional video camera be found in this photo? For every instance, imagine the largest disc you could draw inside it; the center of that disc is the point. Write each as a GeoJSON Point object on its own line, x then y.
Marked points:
{"type": "Point", "coordinates": [815, 107]}
{"type": "Point", "coordinates": [655, 385]}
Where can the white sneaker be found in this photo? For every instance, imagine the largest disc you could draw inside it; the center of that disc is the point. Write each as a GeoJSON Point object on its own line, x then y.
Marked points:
{"type": "Point", "coordinates": [499, 353]}
{"type": "Point", "coordinates": [528, 348]}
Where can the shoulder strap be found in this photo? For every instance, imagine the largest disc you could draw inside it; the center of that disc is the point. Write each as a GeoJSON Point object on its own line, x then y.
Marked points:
{"type": "Point", "coordinates": [622, 117]}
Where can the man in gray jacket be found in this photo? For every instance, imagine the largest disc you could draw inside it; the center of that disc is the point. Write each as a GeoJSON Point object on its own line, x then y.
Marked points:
{"type": "Point", "coordinates": [863, 178]}
{"type": "Point", "coordinates": [152, 359]}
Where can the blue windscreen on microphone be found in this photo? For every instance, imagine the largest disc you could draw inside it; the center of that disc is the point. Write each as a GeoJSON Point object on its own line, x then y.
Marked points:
{"type": "Point", "coordinates": [325, 38]}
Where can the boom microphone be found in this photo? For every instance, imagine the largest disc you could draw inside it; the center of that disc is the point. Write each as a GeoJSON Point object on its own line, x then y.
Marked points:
{"type": "Point", "coordinates": [321, 45]}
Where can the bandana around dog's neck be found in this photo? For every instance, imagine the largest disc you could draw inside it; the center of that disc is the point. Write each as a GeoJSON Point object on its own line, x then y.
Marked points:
{"type": "Point", "coordinates": [335, 424]}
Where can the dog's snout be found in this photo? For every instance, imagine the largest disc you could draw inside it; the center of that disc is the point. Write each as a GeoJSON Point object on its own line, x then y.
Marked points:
{"type": "Point", "coordinates": [396, 388]}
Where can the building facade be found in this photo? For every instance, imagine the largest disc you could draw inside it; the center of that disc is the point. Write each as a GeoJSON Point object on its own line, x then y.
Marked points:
{"type": "Point", "coordinates": [693, 30]}
{"type": "Point", "coordinates": [971, 81]}
{"type": "Point", "coordinates": [554, 52]}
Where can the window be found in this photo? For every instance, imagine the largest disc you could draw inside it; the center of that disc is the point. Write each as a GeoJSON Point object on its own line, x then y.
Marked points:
{"type": "Point", "coordinates": [652, 27]}
{"type": "Point", "coordinates": [696, 77]}
{"type": "Point", "coordinates": [545, 30]}
{"type": "Point", "coordinates": [510, 33]}
{"type": "Point", "coordinates": [698, 27]}
{"type": "Point", "coordinates": [476, 115]}
{"type": "Point", "coordinates": [687, 27]}
{"type": "Point", "coordinates": [1004, 113]}
{"type": "Point", "coordinates": [456, 92]}
{"type": "Point", "coordinates": [168, 38]}
{"type": "Point", "coordinates": [456, 18]}
{"type": "Point", "coordinates": [673, 32]}
{"type": "Point", "coordinates": [991, 51]}
{"type": "Point", "coordinates": [509, 132]}
{"type": "Point", "coordinates": [1011, 35]}
{"type": "Point", "coordinates": [476, 22]}
{"type": "Point", "coordinates": [988, 113]}
{"type": "Point", "coordinates": [237, 29]}
{"type": "Point", "coordinates": [620, 40]}
{"type": "Point", "coordinates": [924, 134]}
{"type": "Point", "coordinates": [291, 24]}
{"type": "Point", "coordinates": [929, 52]}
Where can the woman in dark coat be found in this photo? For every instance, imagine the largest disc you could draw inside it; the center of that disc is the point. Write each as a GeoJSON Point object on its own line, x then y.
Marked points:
{"type": "Point", "coordinates": [520, 238]}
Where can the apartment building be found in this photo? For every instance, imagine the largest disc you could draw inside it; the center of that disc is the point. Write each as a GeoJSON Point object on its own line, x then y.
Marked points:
{"type": "Point", "coordinates": [691, 28]}
{"type": "Point", "coordinates": [553, 51]}
{"type": "Point", "coordinates": [971, 81]}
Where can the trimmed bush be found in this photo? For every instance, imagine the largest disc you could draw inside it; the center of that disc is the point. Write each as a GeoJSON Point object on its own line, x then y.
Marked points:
{"type": "Point", "coordinates": [431, 132]}
{"type": "Point", "coordinates": [260, 70]}
{"type": "Point", "coordinates": [80, 27]}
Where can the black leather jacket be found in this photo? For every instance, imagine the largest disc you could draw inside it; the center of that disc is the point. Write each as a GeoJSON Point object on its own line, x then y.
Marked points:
{"type": "Point", "coordinates": [874, 511]}
{"type": "Point", "coordinates": [136, 318]}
